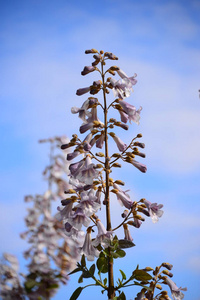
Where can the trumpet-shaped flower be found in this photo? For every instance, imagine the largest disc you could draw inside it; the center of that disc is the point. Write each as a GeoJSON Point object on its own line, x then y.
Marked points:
{"type": "Point", "coordinates": [84, 171]}
{"type": "Point", "coordinates": [83, 111]}
{"type": "Point", "coordinates": [121, 88]}
{"type": "Point", "coordinates": [123, 197]}
{"type": "Point", "coordinates": [120, 144]}
{"type": "Point", "coordinates": [129, 112]}
{"type": "Point", "coordinates": [176, 292]}
{"type": "Point", "coordinates": [88, 203]}
{"type": "Point", "coordinates": [154, 210]}
{"type": "Point", "coordinates": [88, 249]}
{"type": "Point", "coordinates": [127, 233]}
{"type": "Point", "coordinates": [79, 218]}
{"type": "Point", "coordinates": [103, 237]}
{"type": "Point", "coordinates": [139, 166]}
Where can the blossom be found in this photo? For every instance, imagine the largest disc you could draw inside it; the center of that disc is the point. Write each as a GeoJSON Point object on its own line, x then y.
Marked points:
{"type": "Point", "coordinates": [121, 88]}
{"type": "Point", "coordinates": [129, 112]}
{"type": "Point", "coordinates": [75, 234]}
{"type": "Point", "coordinates": [89, 203]}
{"type": "Point", "coordinates": [88, 249]}
{"type": "Point", "coordinates": [127, 233]}
{"type": "Point", "coordinates": [82, 91]}
{"type": "Point", "coordinates": [87, 70]}
{"type": "Point", "coordinates": [123, 197]}
{"type": "Point", "coordinates": [154, 210]}
{"type": "Point", "coordinates": [176, 292]}
{"type": "Point", "coordinates": [84, 171]}
{"type": "Point", "coordinates": [120, 144]}
{"type": "Point", "coordinates": [103, 237]}
{"type": "Point", "coordinates": [83, 111]}
{"type": "Point", "coordinates": [123, 75]}
{"type": "Point", "coordinates": [65, 213]}
{"type": "Point", "coordinates": [79, 218]}
{"type": "Point", "coordinates": [139, 166]}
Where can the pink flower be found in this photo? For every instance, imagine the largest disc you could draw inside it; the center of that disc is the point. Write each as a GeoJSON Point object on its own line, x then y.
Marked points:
{"type": "Point", "coordinates": [154, 210]}
{"type": "Point", "coordinates": [176, 292]}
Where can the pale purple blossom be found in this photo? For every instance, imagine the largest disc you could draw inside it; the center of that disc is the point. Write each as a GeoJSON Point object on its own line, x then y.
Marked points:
{"type": "Point", "coordinates": [82, 91]}
{"type": "Point", "coordinates": [176, 292]}
{"type": "Point", "coordinates": [79, 218]}
{"type": "Point", "coordinates": [120, 144]}
{"type": "Point", "coordinates": [139, 166]}
{"type": "Point", "coordinates": [154, 210]}
{"type": "Point", "coordinates": [127, 233]}
{"type": "Point", "coordinates": [87, 70]}
{"type": "Point", "coordinates": [103, 237]}
{"type": "Point", "coordinates": [123, 75]}
{"type": "Point", "coordinates": [65, 213]}
{"type": "Point", "coordinates": [121, 88]}
{"type": "Point", "coordinates": [88, 203]}
{"type": "Point", "coordinates": [84, 171]}
{"type": "Point", "coordinates": [129, 112]}
{"type": "Point", "coordinates": [88, 249]}
{"type": "Point", "coordinates": [83, 111]}
{"type": "Point", "coordinates": [123, 197]}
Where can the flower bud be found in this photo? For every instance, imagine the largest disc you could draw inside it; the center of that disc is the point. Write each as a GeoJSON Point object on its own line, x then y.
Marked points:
{"type": "Point", "coordinates": [87, 70]}
{"type": "Point", "coordinates": [100, 154]}
{"type": "Point", "coordinates": [139, 135]}
{"type": "Point", "coordinates": [119, 182]}
{"type": "Point", "coordinates": [116, 165]}
{"type": "Point", "coordinates": [158, 286]}
{"type": "Point", "coordinates": [167, 265]}
{"type": "Point", "coordinates": [125, 214]}
{"type": "Point", "coordinates": [91, 51]}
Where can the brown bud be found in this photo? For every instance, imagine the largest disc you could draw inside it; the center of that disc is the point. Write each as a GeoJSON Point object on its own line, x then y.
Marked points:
{"type": "Point", "coordinates": [119, 182]}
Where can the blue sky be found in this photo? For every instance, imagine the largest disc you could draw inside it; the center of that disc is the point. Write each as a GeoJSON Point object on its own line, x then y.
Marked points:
{"type": "Point", "coordinates": [42, 46]}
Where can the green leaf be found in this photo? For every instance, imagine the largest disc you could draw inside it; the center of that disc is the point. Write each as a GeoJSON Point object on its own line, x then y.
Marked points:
{"type": "Point", "coordinates": [29, 284]}
{"type": "Point", "coordinates": [80, 280]}
{"type": "Point", "coordinates": [75, 271]}
{"type": "Point", "coordinates": [105, 281]}
{"type": "Point", "coordinates": [92, 269]}
{"type": "Point", "coordinates": [102, 264]}
{"type": "Point", "coordinates": [120, 253]}
{"type": "Point", "coordinates": [121, 296]}
{"type": "Point", "coordinates": [53, 286]}
{"type": "Point", "coordinates": [86, 274]}
{"type": "Point", "coordinates": [123, 275]}
{"type": "Point", "coordinates": [83, 263]}
{"type": "Point", "coordinates": [123, 244]}
{"type": "Point", "coordinates": [76, 293]}
{"type": "Point", "coordinates": [141, 275]}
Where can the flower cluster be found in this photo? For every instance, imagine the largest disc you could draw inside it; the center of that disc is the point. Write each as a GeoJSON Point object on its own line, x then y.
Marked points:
{"type": "Point", "coordinates": [90, 184]}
